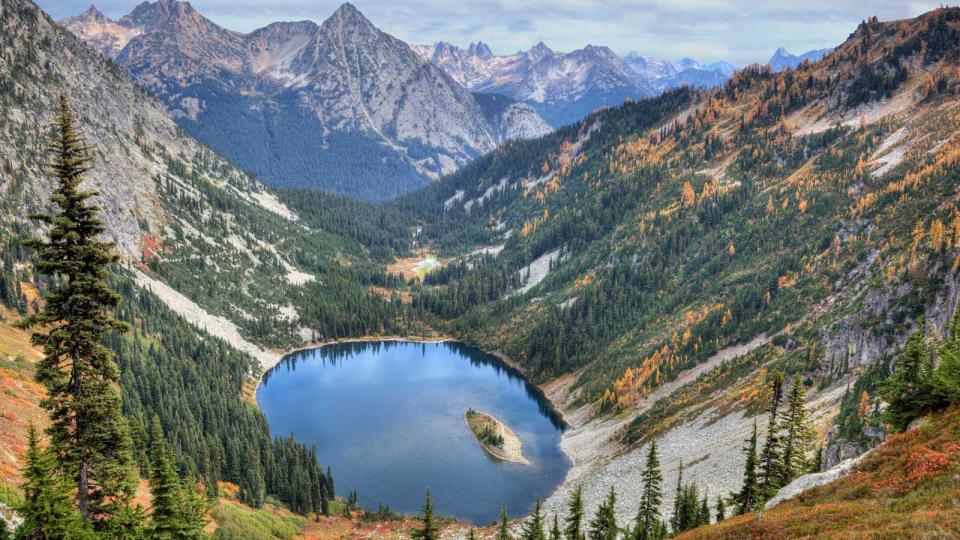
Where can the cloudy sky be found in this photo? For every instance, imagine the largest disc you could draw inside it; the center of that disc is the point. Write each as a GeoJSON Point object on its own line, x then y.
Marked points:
{"type": "Point", "coordinates": [739, 31]}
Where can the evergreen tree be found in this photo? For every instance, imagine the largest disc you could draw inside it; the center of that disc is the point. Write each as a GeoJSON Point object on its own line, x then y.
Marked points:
{"type": "Point", "coordinates": [771, 458]}
{"type": "Point", "coordinates": [688, 514]}
{"type": "Point", "coordinates": [603, 526]}
{"type": "Point", "coordinates": [678, 499]}
{"type": "Point", "coordinates": [127, 523]}
{"type": "Point", "coordinates": [749, 496]}
{"type": "Point", "coordinates": [430, 531]}
{"type": "Point", "coordinates": [166, 520]}
{"type": "Point", "coordinates": [573, 529]}
{"type": "Point", "coordinates": [555, 533]}
{"type": "Point", "coordinates": [533, 528]}
{"type": "Point", "coordinates": [324, 498]}
{"type": "Point", "coordinates": [87, 432]}
{"type": "Point", "coordinates": [648, 524]}
{"type": "Point", "coordinates": [704, 510]}
{"type": "Point", "coordinates": [796, 459]}
{"type": "Point", "coordinates": [472, 535]}
{"type": "Point", "coordinates": [503, 529]}
{"type": "Point", "coordinates": [47, 511]}
{"type": "Point", "coordinates": [194, 508]}
{"type": "Point", "coordinates": [331, 491]}
{"type": "Point", "coordinates": [721, 510]}
{"type": "Point", "coordinates": [909, 387]}
{"type": "Point", "coordinates": [946, 378]}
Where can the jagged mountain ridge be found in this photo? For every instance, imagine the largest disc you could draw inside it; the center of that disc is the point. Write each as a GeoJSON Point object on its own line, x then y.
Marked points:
{"type": "Point", "coordinates": [565, 87]}
{"type": "Point", "coordinates": [562, 87]}
{"type": "Point", "coordinates": [782, 58]}
{"type": "Point", "coordinates": [341, 106]}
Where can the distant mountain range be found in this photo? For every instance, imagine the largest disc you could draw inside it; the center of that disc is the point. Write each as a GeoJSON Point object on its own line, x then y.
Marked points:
{"type": "Point", "coordinates": [339, 106]}
{"type": "Point", "coordinates": [562, 87]}
{"type": "Point", "coordinates": [565, 87]}
{"type": "Point", "coordinates": [346, 108]}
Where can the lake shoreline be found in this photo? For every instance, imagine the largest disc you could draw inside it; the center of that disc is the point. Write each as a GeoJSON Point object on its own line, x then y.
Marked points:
{"type": "Point", "coordinates": [557, 413]}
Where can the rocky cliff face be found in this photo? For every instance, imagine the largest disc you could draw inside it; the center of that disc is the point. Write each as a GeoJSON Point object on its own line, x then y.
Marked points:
{"type": "Point", "coordinates": [341, 106]}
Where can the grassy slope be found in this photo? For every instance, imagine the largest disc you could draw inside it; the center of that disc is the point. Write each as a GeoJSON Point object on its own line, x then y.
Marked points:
{"type": "Point", "coordinates": [909, 487]}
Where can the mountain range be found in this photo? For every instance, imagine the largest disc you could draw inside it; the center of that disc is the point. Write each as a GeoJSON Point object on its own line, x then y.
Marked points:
{"type": "Point", "coordinates": [346, 108]}
{"type": "Point", "coordinates": [562, 87]}
{"type": "Point", "coordinates": [565, 87]}
{"type": "Point", "coordinates": [339, 106]}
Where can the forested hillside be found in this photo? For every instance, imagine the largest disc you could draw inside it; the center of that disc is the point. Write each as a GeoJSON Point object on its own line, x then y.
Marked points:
{"type": "Point", "coordinates": [676, 226]}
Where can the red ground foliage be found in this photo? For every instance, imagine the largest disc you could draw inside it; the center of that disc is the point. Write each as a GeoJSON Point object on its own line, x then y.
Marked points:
{"type": "Point", "coordinates": [909, 487]}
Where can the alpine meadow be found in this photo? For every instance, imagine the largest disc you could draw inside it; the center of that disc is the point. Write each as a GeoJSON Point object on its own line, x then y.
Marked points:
{"type": "Point", "coordinates": [297, 270]}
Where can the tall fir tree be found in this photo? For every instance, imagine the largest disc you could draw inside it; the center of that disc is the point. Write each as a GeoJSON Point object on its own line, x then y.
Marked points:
{"type": "Point", "coordinates": [771, 457]}
{"type": "Point", "coordinates": [648, 525]}
{"type": "Point", "coordinates": [331, 489]}
{"type": "Point", "coordinates": [799, 435]}
{"type": "Point", "coordinates": [704, 509]}
{"type": "Point", "coordinates": [910, 386]}
{"type": "Point", "coordinates": [87, 431]}
{"type": "Point", "coordinates": [47, 511]}
{"type": "Point", "coordinates": [688, 514]}
{"type": "Point", "coordinates": [603, 526]}
{"type": "Point", "coordinates": [429, 531]}
{"type": "Point", "coordinates": [721, 510]}
{"type": "Point", "coordinates": [677, 500]}
{"type": "Point", "coordinates": [555, 532]}
{"type": "Point", "coordinates": [194, 508]}
{"type": "Point", "coordinates": [749, 496]}
{"type": "Point", "coordinates": [946, 377]}
{"type": "Point", "coordinates": [503, 528]}
{"type": "Point", "coordinates": [533, 528]}
{"type": "Point", "coordinates": [166, 521]}
{"type": "Point", "coordinates": [573, 528]}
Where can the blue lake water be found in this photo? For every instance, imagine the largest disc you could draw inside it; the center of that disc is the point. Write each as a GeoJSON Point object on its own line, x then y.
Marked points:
{"type": "Point", "coordinates": [388, 418]}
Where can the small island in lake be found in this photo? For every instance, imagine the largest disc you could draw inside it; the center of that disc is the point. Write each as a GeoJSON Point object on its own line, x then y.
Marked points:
{"type": "Point", "coordinates": [495, 437]}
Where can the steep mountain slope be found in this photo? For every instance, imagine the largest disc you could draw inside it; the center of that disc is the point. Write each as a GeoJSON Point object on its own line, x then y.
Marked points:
{"type": "Point", "coordinates": [562, 87]}
{"type": "Point", "coordinates": [655, 263]}
{"type": "Point", "coordinates": [340, 106]}
{"type": "Point", "coordinates": [175, 208]}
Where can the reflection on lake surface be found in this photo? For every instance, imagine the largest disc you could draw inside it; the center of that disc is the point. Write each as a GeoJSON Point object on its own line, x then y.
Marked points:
{"type": "Point", "coordinates": [387, 416]}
